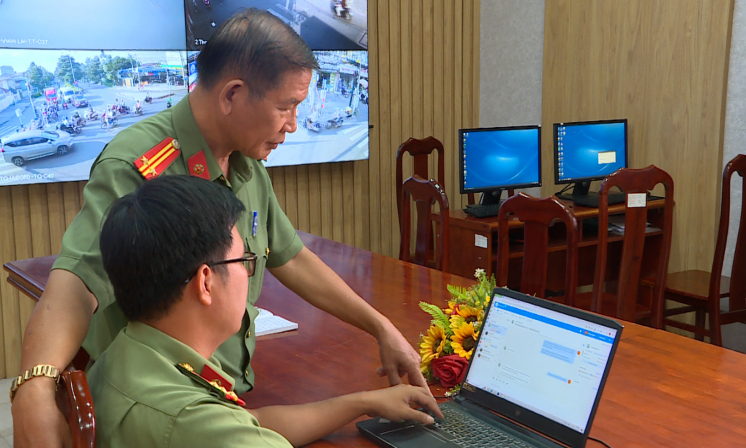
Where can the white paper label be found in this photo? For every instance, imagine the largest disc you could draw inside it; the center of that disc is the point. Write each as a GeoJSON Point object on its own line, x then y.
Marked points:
{"type": "Point", "coordinates": [606, 157]}
{"type": "Point", "coordinates": [480, 241]}
{"type": "Point", "coordinates": [637, 199]}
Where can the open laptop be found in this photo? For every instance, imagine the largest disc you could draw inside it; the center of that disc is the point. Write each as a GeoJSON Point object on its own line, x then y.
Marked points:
{"type": "Point", "coordinates": [534, 380]}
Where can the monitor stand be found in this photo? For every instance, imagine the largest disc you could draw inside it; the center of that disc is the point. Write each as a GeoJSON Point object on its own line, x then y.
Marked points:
{"type": "Point", "coordinates": [491, 197]}
{"type": "Point", "coordinates": [581, 196]}
{"type": "Point", "coordinates": [581, 191]}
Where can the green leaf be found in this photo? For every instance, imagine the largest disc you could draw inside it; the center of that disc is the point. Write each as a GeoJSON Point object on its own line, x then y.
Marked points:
{"type": "Point", "coordinates": [439, 317]}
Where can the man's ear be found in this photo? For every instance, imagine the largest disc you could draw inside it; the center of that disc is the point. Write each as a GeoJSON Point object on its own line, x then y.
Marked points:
{"type": "Point", "coordinates": [202, 284]}
{"type": "Point", "coordinates": [229, 94]}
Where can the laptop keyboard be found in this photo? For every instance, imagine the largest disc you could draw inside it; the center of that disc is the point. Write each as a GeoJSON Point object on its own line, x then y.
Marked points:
{"type": "Point", "coordinates": [473, 433]}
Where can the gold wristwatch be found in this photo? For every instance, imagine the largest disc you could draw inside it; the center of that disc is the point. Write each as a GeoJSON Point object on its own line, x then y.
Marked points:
{"type": "Point", "coordinates": [46, 370]}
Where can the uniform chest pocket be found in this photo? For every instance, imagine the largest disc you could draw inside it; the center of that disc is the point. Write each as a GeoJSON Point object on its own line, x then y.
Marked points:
{"type": "Point", "coordinates": [258, 245]}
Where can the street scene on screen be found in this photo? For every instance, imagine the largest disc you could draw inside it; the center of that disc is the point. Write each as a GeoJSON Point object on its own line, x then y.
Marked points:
{"type": "Point", "coordinates": [52, 105]}
{"type": "Point", "coordinates": [323, 24]}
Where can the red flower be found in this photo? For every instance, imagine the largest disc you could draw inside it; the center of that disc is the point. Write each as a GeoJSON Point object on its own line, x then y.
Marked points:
{"type": "Point", "coordinates": [450, 370]}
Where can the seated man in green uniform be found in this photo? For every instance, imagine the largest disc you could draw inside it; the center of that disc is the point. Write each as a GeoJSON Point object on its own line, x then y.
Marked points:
{"type": "Point", "coordinates": [180, 272]}
{"type": "Point", "coordinates": [252, 74]}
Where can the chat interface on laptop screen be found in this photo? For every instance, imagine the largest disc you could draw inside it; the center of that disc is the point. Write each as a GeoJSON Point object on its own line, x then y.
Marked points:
{"type": "Point", "coordinates": [590, 151]}
{"type": "Point", "coordinates": [495, 158]}
{"type": "Point", "coordinates": [542, 360]}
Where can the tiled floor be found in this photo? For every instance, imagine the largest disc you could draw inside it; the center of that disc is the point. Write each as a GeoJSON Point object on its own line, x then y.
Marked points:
{"type": "Point", "coordinates": [6, 421]}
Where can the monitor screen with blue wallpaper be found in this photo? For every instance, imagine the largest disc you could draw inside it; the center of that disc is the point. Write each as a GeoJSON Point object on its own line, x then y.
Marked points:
{"type": "Point", "coordinates": [586, 151]}
{"type": "Point", "coordinates": [499, 158]}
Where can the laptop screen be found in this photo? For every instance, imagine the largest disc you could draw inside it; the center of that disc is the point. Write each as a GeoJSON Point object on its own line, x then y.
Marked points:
{"type": "Point", "coordinates": [542, 360]}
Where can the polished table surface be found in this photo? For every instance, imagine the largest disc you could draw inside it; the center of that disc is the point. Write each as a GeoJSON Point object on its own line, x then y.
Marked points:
{"type": "Point", "coordinates": [664, 390]}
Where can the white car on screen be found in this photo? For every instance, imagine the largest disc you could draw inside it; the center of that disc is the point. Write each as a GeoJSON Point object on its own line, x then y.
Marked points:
{"type": "Point", "coordinates": [19, 147]}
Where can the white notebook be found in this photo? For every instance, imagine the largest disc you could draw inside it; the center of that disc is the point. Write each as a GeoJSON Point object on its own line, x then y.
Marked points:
{"type": "Point", "coordinates": [267, 323]}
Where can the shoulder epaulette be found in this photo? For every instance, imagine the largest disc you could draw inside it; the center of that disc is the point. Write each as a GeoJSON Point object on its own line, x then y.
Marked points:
{"type": "Point", "coordinates": [158, 158]}
{"type": "Point", "coordinates": [213, 385]}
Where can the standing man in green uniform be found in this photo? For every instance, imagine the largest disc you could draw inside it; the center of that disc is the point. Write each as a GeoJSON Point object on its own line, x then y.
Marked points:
{"type": "Point", "coordinates": [157, 384]}
{"type": "Point", "coordinates": [253, 73]}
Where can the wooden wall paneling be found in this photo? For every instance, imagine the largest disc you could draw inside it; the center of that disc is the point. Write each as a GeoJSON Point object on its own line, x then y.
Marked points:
{"type": "Point", "coordinates": [72, 200]}
{"type": "Point", "coordinates": [325, 180]}
{"type": "Point", "coordinates": [449, 101]}
{"type": "Point", "coordinates": [55, 207]}
{"type": "Point", "coordinates": [409, 112]}
{"type": "Point", "coordinates": [277, 177]}
{"type": "Point", "coordinates": [292, 195]}
{"type": "Point", "coordinates": [384, 99]}
{"type": "Point", "coordinates": [663, 66]}
{"type": "Point", "coordinates": [397, 131]}
{"type": "Point", "coordinates": [374, 200]}
{"type": "Point", "coordinates": [304, 197]}
{"type": "Point", "coordinates": [314, 195]}
{"type": "Point", "coordinates": [348, 199]}
{"type": "Point", "coordinates": [428, 80]}
{"type": "Point", "coordinates": [23, 241]}
{"type": "Point", "coordinates": [437, 87]}
{"type": "Point", "coordinates": [459, 86]}
{"type": "Point", "coordinates": [39, 221]}
{"type": "Point", "coordinates": [474, 83]}
{"type": "Point", "coordinates": [360, 203]}
{"type": "Point", "coordinates": [338, 205]}
{"type": "Point", "coordinates": [10, 336]}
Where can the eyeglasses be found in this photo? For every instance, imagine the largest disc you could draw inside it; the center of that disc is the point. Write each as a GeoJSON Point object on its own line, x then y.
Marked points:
{"type": "Point", "coordinates": [248, 260]}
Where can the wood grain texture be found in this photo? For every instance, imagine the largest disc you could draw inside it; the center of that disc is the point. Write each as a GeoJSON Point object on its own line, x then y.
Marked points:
{"type": "Point", "coordinates": [663, 390]}
{"type": "Point", "coordinates": [418, 87]}
{"type": "Point", "coordinates": [672, 391]}
{"type": "Point", "coordinates": [663, 66]}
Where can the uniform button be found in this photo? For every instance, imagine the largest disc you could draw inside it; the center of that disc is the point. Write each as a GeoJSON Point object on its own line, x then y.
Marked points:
{"type": "Point", "coordinates": [247, 373]}
{"type": "Point", "coordinates": [248, 334]}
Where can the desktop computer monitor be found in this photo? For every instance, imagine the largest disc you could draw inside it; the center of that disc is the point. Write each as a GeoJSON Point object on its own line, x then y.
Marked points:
{"type": "Point", "coordinates": [494, 159]}
{"type": "Point", "coordinates": [588, 151]}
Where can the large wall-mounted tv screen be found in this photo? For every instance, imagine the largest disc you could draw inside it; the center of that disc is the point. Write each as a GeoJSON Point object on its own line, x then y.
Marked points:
{"type": "Point", "coordinates": [65, 91]}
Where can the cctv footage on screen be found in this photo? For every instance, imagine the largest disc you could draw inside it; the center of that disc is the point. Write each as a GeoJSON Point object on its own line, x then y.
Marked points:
{"type": "Point", "coordinates": [70, 83]}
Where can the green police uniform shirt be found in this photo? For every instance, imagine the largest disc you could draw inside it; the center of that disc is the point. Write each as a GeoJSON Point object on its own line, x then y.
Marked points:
{"type": "Point", "coordinates": [115, 173]}
{"type": "Point", "coordinates": [143, 400]}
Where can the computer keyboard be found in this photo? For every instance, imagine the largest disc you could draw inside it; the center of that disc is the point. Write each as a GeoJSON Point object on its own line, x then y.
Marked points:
{"type": "Point", "coordinates": [471, 432]}
{"type": "Point", "coordinates": [483, 211]}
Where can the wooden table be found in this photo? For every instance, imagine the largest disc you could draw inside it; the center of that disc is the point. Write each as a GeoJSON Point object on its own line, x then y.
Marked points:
{"type": "Point", "coordinates": [664, 390]}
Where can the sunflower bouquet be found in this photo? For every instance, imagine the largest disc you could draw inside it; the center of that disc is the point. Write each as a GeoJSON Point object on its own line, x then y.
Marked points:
{"type": "Point", "coordinates": [450, 340]}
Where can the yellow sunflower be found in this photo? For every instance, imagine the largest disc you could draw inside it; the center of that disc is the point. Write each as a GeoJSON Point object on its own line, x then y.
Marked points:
{"type": "Point", "coordinates": [448, 311]}
{"type": "Point", "coordinates": [432, 345]}
{"type": "Point", "coordinates": [464, 339]}
{"type": "Point", "coordinates": [469, 314]}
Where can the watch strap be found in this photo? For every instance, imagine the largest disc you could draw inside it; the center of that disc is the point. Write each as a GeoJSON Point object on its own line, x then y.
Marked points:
{"type": "Point", "coordinates": [45, 370]}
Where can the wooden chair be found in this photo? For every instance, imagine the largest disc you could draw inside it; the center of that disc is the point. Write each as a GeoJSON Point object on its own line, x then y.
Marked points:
{"type": "Point", "coordinates": [621, 299]}
{"type": "Point", "coordinates": [424, 193]}
{"type": "Point", "coordinates": [537, 216]}
{"type": "Point", "coordinates": [701, 291]}
{"type": "Point", "coordinates": [74, 400]}
{"type": "Point", "coordinates": [420, 151]}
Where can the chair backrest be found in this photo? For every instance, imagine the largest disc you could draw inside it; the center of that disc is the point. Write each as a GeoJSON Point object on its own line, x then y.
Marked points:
{"type": "Point", "coordinates": [635, 183]}
{"type": "Point", "coordinates": [537, 216]}
{"type": "Point", "coordinates": [737, 295]}
{"type": "Point", "coordinates": [420, 151]}
{"type": "Point", "coordinates": [75, 402]}
{"type": "Point", "coordinates": [424, 193]}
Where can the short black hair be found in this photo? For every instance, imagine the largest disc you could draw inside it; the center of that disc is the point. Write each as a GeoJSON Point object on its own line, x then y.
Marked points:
{"type": "Point", "coordinates": [156, 238]}
{"type": "Point", "coordinates": [255, 46]}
